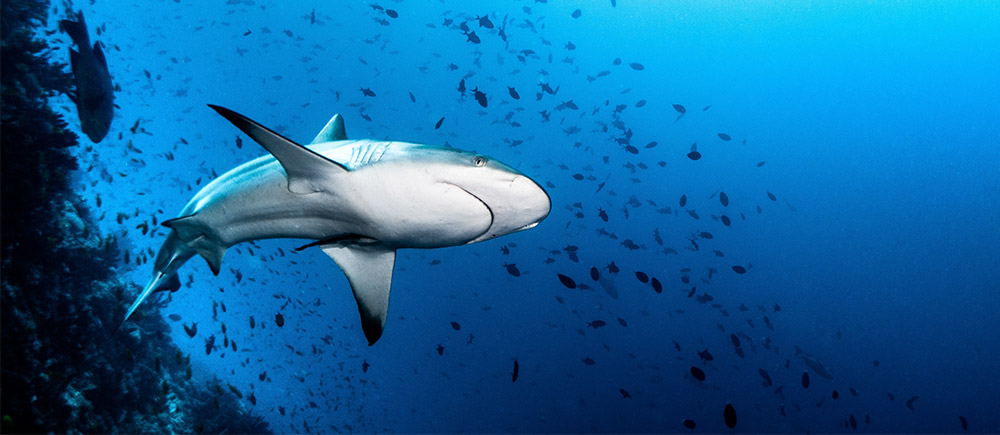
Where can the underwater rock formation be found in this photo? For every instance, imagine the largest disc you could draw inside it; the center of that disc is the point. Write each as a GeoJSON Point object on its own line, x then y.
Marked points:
{"type": "Point", "coordinates": [63, 368]}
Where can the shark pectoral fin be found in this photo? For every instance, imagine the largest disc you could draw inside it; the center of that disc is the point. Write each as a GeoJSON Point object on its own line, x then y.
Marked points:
{"type": "Point", "coordinates": [302, 166]}
{"type": "Point", "coordinates": [193, 233]}
{"type": "Point", "coordinates": [334, 130]}
{"type": "Point", "coordinates": [369, 270]}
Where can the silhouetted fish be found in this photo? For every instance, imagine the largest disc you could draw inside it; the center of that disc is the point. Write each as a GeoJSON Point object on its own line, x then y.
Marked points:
{"type": "Point", "coordinates": [94, 93]}
{"type": "Point", "coordinates": [567, 281]}
{"type": "Point", "coordinates": [729, 416]}
{"type": "Point", "coordinates": [697, 373]}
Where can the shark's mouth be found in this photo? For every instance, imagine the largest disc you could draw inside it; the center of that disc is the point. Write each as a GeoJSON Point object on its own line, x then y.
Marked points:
{"type": "Point", "coordinates": [485, 234]}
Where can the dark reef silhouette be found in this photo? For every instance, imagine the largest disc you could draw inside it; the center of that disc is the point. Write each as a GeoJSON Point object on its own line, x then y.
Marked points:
{"type": "Point", "coordinates": [63, 370]}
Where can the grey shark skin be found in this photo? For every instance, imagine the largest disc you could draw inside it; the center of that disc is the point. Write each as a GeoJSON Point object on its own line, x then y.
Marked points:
{"type": "Point", "coordinates": [357, 200]}
{"type": "Point", "coordinates": [94, 94]}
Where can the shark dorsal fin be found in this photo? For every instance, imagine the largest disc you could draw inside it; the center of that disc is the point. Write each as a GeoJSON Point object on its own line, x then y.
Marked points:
{"type": "Point", "coordinates": [99, 54]}
{"type": "Point", "coordinates": [333, 130]}
{"type": "Point", "coordinates": [369, 270]}
{"type": "Point", "coordinates": [302, 166]}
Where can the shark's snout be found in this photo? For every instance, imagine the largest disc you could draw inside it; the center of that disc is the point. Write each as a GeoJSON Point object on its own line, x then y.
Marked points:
{"type": "Point", "coordinates": [518, 205]}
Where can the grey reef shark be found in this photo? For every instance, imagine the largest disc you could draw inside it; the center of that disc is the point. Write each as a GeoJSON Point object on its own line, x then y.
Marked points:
{"type": "Point", "coordinates": [357, 200]}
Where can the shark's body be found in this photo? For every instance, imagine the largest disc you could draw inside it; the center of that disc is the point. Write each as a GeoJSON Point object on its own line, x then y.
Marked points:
{"type": "Point", "coordinates": [357, 200]}
{"type": "Point", "coordinates": [94, 96]}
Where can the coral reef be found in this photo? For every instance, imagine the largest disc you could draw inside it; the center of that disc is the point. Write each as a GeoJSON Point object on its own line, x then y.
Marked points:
{"type": "Point", "coordinates": [64, 368]}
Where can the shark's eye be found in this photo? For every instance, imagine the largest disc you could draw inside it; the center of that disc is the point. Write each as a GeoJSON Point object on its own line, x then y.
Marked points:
{"type": "Point", "coordinates": [479, 160]}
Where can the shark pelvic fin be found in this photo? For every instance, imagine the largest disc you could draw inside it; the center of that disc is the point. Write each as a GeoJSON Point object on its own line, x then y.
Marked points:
{"type": "Point", "coordinates": [334, 130]}
{"type": "Point", "coordinates": [192, 232]}
{"type": "Point", "coordinates": [369, 270]}
{"type": "Point", "coordinates": [302, 166]}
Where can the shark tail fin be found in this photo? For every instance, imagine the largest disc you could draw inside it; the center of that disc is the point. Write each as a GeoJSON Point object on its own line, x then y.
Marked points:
{"type": "Point", "coordinates": [173, 254]}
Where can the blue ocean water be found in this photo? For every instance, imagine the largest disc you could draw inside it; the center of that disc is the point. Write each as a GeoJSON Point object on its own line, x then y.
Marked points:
{"type": "Point", "coordinates": [874, 126]}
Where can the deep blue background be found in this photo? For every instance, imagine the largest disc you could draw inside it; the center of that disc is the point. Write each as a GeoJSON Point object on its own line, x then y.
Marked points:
{"type": "Point", "coordinates": [878, 124]}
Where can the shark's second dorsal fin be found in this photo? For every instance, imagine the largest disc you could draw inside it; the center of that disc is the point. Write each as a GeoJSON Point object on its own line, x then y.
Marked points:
{"type": "Point", "coordinates": [302, 166]}
{"type": "Point", "coordinates": [369, 270]}
{"type": "Point", "coordinates": [334, 130]}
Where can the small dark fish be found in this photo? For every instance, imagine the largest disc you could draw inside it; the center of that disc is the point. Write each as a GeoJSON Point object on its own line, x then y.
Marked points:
{"type": "Point", "coordinates": [480, 97]}
{"type": "Point", "coordinates": [253, 323]}
{"type": "Point", "coordinates": [567, 281]}
{"type": "Point", "coordinates": [576, 13]}
{"type": "Point", "coordinates": [438, 125]}
{"type": "Point", "coordinates": [705, 356]}
{"type": "Point", "coordinates": [690, 424]}
{"type": "Point", "coordinates": [613, 268]}
{"type": "Point", "coordinates": [456, 326]}
{"type": "Point", "coordinates": [209, 345]}
{"type": "Point", "coordinates": [440, 349]}
{"type": "Point", "coordinates": [771, 196]}
{"type": "Point", "coordinates": [637, 66]}
{"type": "Point", "coordinates": [909, 402]}
{"type": "Point", "coordinates": [697, 373]}
{"type": "Point", "coordinates": [625, 394]}
{"type": "Point", "coordinates": [729, 415]}
{"type": "Point", "coordinates": [392, 13]}
{"type": "Point", "coordinates": [192, 331]}
{"type": "Point", "coordinates": [368, 92]}
{"type": "Point", "coordinates": [964, 422]}
{"type": "Point", "coordinates": [252, 398]}
{"type": "Point", "coordinates": [602, 214]}
{"type": "Point", "coordinates": [262, 376]}
{"type": "Point", "coordinates": [595, 274]}
{"type": "Point", "coordinates": [622, 322]}
{"type": "Point", "coordinates": [642, 277]}
{"type": "Point", "coordinates": [724, 199]}
{"type": "Point", "coordinates": [657, 287]}
{"type": "Point", "coordinates": [247, 33]}
{"type": "Point", "coordinates": [854, 423]}
{"type": "Point", "coordinates": [761, 163]}
{"type": "Point", "coordinates": [578, 177]}
{"type": "Point", "coordinates": [174, 317]}
{"type": "Point", "coordinates": [767, 377]}
{"type": "Point", "coordinates": [279, 319]}
{"type": "Point", "coordinates": [472, 37]}
{"type": "Point", "coordinates": [512, 269]}
{"type": "Point", "coordinates": [805, 379]}
{"type": "Point", "coordinates": [588, 361]}
{"type": "Point", "coordinates": [94, 95]}
{"type": "Point", "coordinates": [725, 220]}
{"type": "Point", "coordinates": [684, 200]}
{"type": "Point", "coordinates": [694, 154]}
{"type": "Point", "coordinates": [835, 395]}
{"type": "Point", "coordinates": [517, 369]}
{"type": "Point", "coordinates": [735, 340]}
{"type": "Point", "coordinates": [513, 93]}
{"type": "Point", "coordinates": [596, 324]}
{"type": "Point", "coordinates": [725, 137]}
{"type": "Point", "coordinates": [484, 21]}
{"type": "Point", "coordinates": [739, 269]}
{"type": "Point", "coordinates": [364, 366]}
